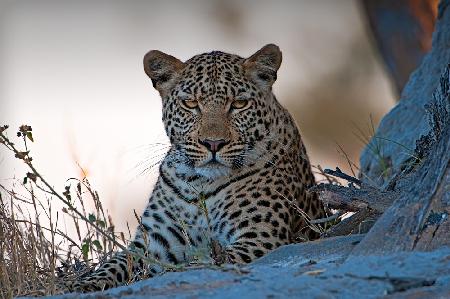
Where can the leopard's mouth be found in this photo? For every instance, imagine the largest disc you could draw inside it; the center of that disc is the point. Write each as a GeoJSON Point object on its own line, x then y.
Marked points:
{"type": "Point", "coordinates": [213, 163]}
{"type": "Point", "coordinates": [212, 160]}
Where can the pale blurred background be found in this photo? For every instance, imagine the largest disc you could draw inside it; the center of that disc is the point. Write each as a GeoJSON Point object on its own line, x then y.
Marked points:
{"type": "Point", "coordinates": [73, 71]}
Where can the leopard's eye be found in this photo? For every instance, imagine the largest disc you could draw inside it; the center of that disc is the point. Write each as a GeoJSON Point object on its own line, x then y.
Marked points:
{"type": "Point", "coordinates": [240, 104]}
{"type": "Point", "coordinates": [189, 104]}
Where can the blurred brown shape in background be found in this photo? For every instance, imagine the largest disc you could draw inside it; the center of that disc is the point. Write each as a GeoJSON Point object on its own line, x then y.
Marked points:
{"type": "Point", "coordinates": [402, 30]}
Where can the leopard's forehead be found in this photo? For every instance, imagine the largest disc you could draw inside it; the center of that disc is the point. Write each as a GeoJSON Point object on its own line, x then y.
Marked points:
{"type": "Point", "coordinates": [217, 58]}
{"type": "Point", "coordinates": [215, 74]}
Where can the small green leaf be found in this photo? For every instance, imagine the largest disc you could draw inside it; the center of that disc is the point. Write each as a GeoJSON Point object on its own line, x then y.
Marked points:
{"type": "Point", "coordinates": [97, 244]}
{"type": "Point", "coordinates": [85, 250]}
{"type": "Point", "coordinates": [25, 180]}
{"type": "Point", "coordinates": [30, 136]}
{"type": "Point", "coordinates": [91, 217]}
{"type": "Point", "coordinates": [101, 223]}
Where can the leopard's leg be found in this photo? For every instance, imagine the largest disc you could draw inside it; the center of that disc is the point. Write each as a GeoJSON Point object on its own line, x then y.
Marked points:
{"type": "Point", "coordinates": [112, 273]}
{"type": "Point", "coordinates": [250, 245]}
{"type": "Point", "coordinates": [109, 275]}
{"type": "Point", "coordinates": [157, 237]}
{"type": "Point", "coordinates": [117, 271]}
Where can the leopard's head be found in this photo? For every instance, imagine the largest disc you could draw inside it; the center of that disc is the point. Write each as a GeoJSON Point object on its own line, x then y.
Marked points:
{"type": "Point", "coordinates": [218, 108]}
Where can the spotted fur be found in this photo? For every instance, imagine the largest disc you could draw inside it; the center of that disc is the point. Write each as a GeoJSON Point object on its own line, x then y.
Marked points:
{"type": "Point", "coordinates": [235, 171]}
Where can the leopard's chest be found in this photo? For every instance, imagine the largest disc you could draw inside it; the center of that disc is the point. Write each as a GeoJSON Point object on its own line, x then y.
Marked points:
{"type": "Point", "coordinates": [206, 221]}
{"type": "Point", "coordinates": [198, 224]}
{"type": "Point", "coordinates": [216, 215]}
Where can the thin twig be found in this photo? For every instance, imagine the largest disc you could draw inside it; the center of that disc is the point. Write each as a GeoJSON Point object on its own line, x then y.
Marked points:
{"type": "Point", "coordinates": [327, 219]}
{"type": "Point", "coordinates": [338, 173]}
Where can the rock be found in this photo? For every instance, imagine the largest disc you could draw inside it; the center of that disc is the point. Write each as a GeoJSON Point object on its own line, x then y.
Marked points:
{"type": "Point", "coordinates": [307, 270]}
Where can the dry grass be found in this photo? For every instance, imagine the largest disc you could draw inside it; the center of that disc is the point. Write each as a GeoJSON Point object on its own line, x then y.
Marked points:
{"type": "Point", "coordinates": [35, 258]}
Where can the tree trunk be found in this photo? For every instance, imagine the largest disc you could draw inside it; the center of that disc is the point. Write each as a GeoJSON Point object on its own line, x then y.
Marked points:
{"type": "Point", "coordinates": [413, 142]}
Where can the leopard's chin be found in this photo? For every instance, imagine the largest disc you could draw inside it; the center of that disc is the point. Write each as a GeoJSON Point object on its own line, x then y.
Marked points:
{"type": "Point", "coordinates": [213, 170]}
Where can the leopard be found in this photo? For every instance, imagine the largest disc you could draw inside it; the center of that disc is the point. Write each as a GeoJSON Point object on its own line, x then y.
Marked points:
{"type": "Point", "coordinates": [234, 183]}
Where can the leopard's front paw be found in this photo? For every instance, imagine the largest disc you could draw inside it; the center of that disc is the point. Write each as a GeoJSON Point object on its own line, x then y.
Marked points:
{"type": "Point", "coordinates": [87, 285]}
{"type": "Point", "coordinates": [219, 255]}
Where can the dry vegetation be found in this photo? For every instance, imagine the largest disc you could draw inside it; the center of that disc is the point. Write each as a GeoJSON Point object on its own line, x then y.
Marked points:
{"type": "Point", "coordinates": [34, 258]}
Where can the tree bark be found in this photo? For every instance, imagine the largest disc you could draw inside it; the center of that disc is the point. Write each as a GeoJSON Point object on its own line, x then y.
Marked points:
{"type": "Point", "coordinates": [418, 218]}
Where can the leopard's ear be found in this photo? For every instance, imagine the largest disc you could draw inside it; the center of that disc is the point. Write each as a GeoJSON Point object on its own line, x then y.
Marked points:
{"type": "Point", "coordinates": [163, 69]}
{"type": "Point", "coordinates": [262, 66]}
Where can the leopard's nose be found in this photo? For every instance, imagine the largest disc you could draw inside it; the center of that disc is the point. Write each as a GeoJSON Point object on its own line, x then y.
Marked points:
{"type": "Point", "coordinates": [213, 145]}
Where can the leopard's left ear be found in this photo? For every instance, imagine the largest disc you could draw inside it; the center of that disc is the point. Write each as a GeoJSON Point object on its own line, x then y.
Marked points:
{"type": "Point", "coordinates": [163, 69]}
{"type": "Point", "coordinates": [262, 66]}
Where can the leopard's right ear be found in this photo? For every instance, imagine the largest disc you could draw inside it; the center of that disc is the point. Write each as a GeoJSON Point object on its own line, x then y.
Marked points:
{"type": "Point", "coordinates": [163, 69]}
{"type": "Point", "coordinates": [262, 66]}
